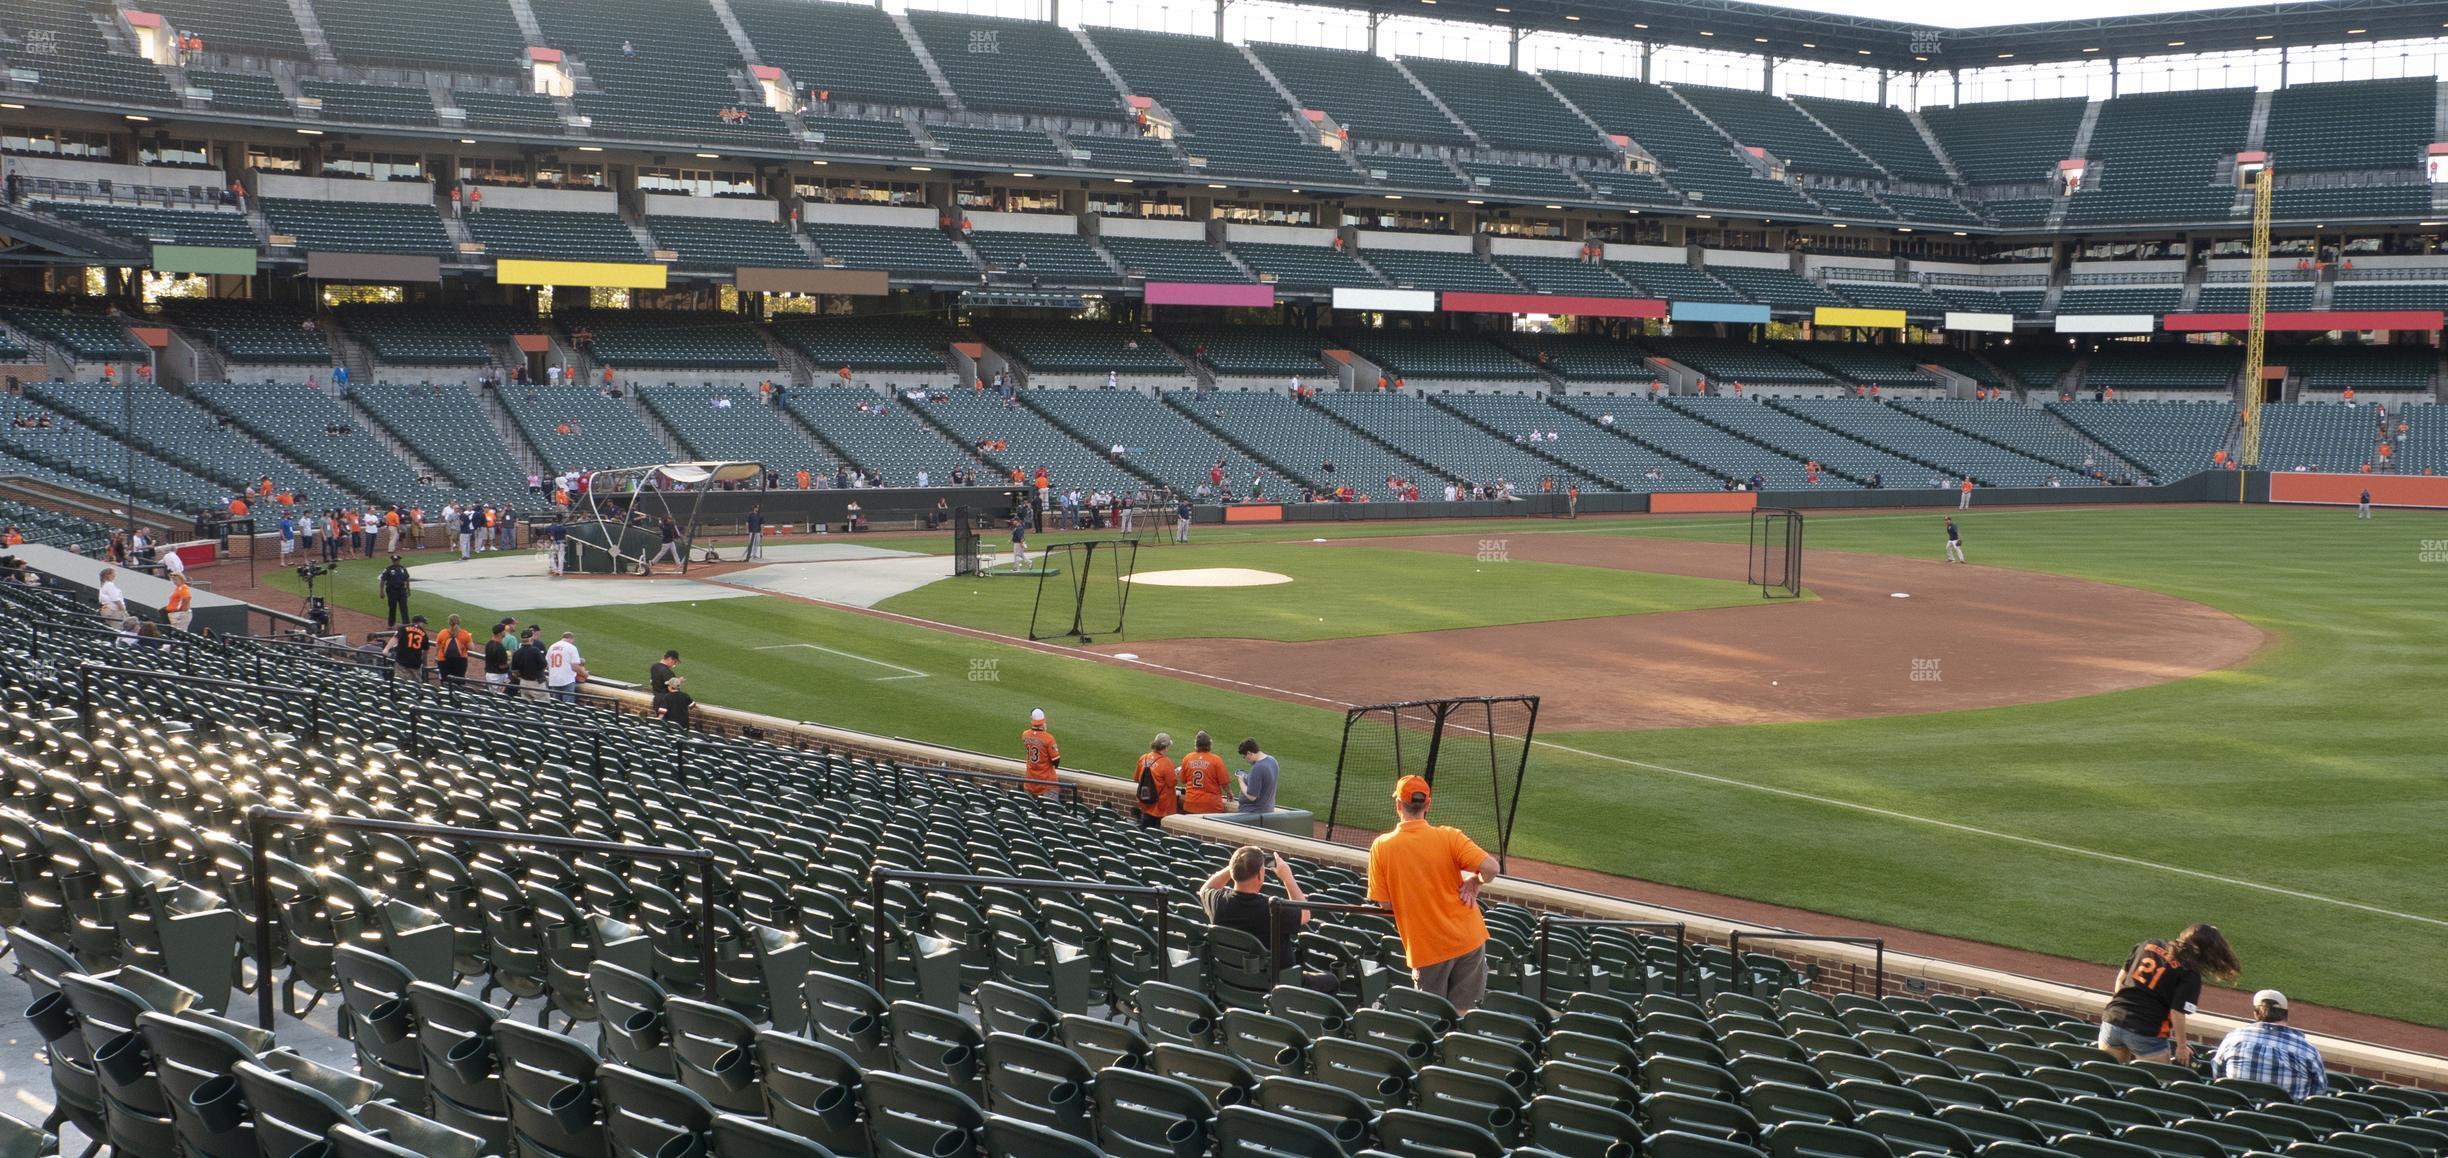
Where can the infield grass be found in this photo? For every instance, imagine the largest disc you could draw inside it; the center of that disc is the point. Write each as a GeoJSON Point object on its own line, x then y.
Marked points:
{"type": "Point", "coordinates": [2297, 799]}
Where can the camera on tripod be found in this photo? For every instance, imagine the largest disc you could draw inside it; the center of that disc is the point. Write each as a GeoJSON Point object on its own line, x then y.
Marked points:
{"type": "Point", "coordinates": [313, 571]}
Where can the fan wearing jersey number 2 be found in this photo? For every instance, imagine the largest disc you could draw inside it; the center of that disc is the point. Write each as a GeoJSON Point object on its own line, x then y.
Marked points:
{"type": "Point", "coordinates": [2155, 992]}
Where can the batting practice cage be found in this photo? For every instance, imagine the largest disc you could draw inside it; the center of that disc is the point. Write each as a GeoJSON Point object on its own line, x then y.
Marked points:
{"type": "Point", "coordinates": [1775, 556]}
{"type": "Point", "coordinates": [1083, 589]}
{"type": "Point", "coordinates": [621, 511]}
{"type": "Point", "coordinates": [1474, 753]}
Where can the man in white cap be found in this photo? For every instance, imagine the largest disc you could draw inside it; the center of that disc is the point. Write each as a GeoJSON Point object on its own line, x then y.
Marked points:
{"type": "Point", "coordinates": [1044, 755]}
{"type": "Point", "coordinates": [2272, 1052]}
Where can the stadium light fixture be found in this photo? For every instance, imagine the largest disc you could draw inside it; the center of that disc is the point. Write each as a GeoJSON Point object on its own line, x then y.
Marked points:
{"type": "Point", "coordinates": [1124, 181]}
{"type": "Point", "coordinates": [2266, 36]}
{"type": "Point", "coordinates": [2356, 31]}
{"type": "Point", "coordinates": [1861, 52]}
{"type": "Point", "coordinates": [709, 156]}
{"type": "Point", "coordinates": [2091, 50]}
{"type": "Point", "coordinates": [1920, 58]}
{"type": "Point", "coordinates": [1903, 229]}
{"type": "Point", "coordinates": [311, 132]}
{"type": "Point", "coordinates": [1705, 32]}
{"type": "Point", "coordinates": [467, 140]}
{"type": "Point", "coordinates": [1569, 17]}
{"type": "Point", "coordinates": [590, 148]}
{"type": "Point", "coordinates": [2175, 44]}
{"type": "Point", "coordinates": [1808, 44]}
{"type": "Point", "coordinates": [138, 118]}
{"type": "Point", "coordinates": [1393, 196]}
{"type": "Point", "coordinates": [1501, 8]}
{"type": "Point", "coordinates": [820, 162]}
{"type": "Point", "coordinates": [1474, 201]}
{"type": "Point", "coordinates": [922, 168]}
{"type": "Point", "coordinates": [1019, 174]}
{"type": "Point", "coordinates": [15, 105]}
{"type": "Point", "coordinates": [2005, 56]}
{"type": "Point", "coordinates": [1705, 216]}
{"type": "Point", "coordinates": [1644, 26]}
{"type": "Point", "coordinates": [1841, 225]}
{"type": "Point", "coordinates": [1961, 233]}
{"type": "Point", "coordinates": [1759, 40]}
{"type": "Point", "coordinates": [1213, 186]}
{"type": "Point", "coordinates": [1555, 207]}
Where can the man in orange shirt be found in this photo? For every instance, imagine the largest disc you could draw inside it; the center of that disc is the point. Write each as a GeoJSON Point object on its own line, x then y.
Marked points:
{"type": "Point", "coordinates": [181, 600]}
{"type": "Point", "coordinates": [1203, 777]}
{"type": "Point", "coordinates": [238, 508]}
{"type": "Point", "coordinates": [1431, 877]}
{"type": "Point", "coordinates": [391, 526]}
{"type": "Point", "coordinates": [1044, 755]}
{"type": "Point", "coordinates": [1966, 503]}
{"type": "Point", "coordinates": [803, 478]}
{"type": "Point", "coordinates": [1158, 795]}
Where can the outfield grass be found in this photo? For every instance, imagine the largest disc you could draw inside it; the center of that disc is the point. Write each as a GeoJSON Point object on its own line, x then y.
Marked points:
{"type": "Point", "coordinates": [2296, 800]}
{"type": "Point", "coordinates": [1336, 592]}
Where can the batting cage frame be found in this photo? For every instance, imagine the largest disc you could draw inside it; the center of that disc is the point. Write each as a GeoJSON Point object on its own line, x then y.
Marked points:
{"type": "Point", "coordinates": [1440, 741]}
{"type": "Point", "coordinates": [964, 541]}
{"type": "Point", "coordinates": [1081, 603]}
{"type": "Point", "coordinates": [1773, 552]}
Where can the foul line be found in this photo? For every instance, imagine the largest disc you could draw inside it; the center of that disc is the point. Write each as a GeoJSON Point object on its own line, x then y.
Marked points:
{"type": "Point", "coordinates": [914, 673]}
{"type": "Point", "coordinates": [1705, 777]}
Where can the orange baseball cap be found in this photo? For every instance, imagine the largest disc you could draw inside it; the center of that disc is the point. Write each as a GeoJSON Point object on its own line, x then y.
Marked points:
{"type": "Point", "coordinates": [1412, 789]}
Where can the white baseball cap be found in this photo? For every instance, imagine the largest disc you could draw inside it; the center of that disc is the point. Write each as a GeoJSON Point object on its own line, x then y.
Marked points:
{"type": "Point", "coordinates": [2269, 997]}
{"type": "Point", "coordinates": [1037, 715]}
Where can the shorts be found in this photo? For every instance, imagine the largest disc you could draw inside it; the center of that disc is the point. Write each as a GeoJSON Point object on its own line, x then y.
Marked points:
{"type": "Point", "coordinates": [1461, 980]}
{"type": "Point", "coordinates": [2119, 1037]}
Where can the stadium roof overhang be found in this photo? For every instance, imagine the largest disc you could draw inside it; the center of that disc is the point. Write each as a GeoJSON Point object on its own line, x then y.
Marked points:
{"type": "Point", "coordinates": [1866, 42]}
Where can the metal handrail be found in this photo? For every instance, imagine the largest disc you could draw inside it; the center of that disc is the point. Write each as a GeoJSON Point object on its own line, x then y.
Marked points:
{"type": "Point", "coordinates": [1548, 921]}
{"type": "Point", "coordinates": [1878, 961]}
{"type": "Point", "coordinates": [877, 876]}
{"type": "Point", "coordinates": [262, 819]}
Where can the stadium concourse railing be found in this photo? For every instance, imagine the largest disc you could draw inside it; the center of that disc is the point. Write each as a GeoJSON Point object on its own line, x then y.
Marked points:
{"type": "Point", "coordinates": [1840, 965]}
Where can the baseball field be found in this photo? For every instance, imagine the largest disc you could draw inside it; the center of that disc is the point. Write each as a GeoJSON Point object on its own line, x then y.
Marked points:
{"type": "Point", "coordinates": [2113, 722]}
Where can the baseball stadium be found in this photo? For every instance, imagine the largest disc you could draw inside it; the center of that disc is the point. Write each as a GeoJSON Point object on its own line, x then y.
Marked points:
{"type": "Point", "coordinates": [1237, 578]}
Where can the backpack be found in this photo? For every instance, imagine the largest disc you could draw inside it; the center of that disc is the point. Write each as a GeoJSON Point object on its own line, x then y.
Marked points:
{"type": "Point", "coordinates": [1148, 794]}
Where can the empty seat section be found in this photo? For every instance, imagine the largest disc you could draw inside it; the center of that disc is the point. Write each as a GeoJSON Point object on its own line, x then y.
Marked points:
{"type": "Point", "coordinates": [1755, 419]}
{"type": "Point", "coordinates": [1128, 153]}
{"type": "Point", "coordinates": [681, 76]}
{"type": "Point", "coordinates": [75, 61]}
{"type": "Point", "coordinates": [1776, 287]}
{"type": "Point", "coordinates": [1305, 266]}
{"type": "Point", "coordinates": [903, 252]}
{"type": "Point", "coordinates": [1564, 275]}
{"type": "Point", "coordinates": [1171, 259]}
{"type": "Point", "coordinates": [2040, 367]}
{"type": "Point", "coordinates": [1582, 358]}
{"type": "Point", "coordinates": [2371, 124]}
{"type": "Point", "coordinates": [2353, 293]}
{"type": "Point", "coordinates": [974, 144]}
{"type": "Point", "coordinates": [2026, 212]}
{"type": "Point", "coordinates": [2401, 199]}
{"type": "Point", "coordinates": [851, 54]}
{"type": "Point", "coordinates": [84, 458]}
{"type": "Point", "coordinates": [359, 226]}
{"type": "Point", "coordinates": [1908, 435]}
{"type": "Point", "coordinates": [2121, 298]}
{"type": "Point", "coordinates": [312, 427]}
{"type": "Point", "coordinates": [1363, 92]}
{"type": "Point", "coordinates": [446, 424]}
{"type": "Point", "coordinates": [851, 135]}
{"type": "Point", "coordinates": [1907, 296]}
{"type": "Point", "coordinates": [1727, 363]}
{"type": "Point", "coordinates": [1301, 439]}
{"type": "Point", "coordinates": [2235, 297]}
{"type": "Point", "coordinates": [2007, 141]}
{"type": "Point", "coordinates": [449, 35]}
{"type": "Point", "coordinates": [2156, 157]}
{"type": "Point", "coordinates": [554, 235]}
{"type": "Point", "coordinates": [725, 241]}
{"type": "Point", "coordinates": [670, 339]}
{"type": "Point", "coordinates": [242, 92]}
{"type": "Point", "coordinates": [1251, 351]}
{"type": "Point", "coordinates": [1938, 210]}
{"type": "Point", "coordinates": [1402, 171]}
{"type": "Point", "coordinates": [880, 435]}
{"type": "Point", "coordinates": [1439, 354]}
{"type": "Point", "coordinates": [147, 224]}
{"type": "Point", "coordinates": [1581, 440]}
{"type": "Point", "coordinates": [1847, 202]}
{"type": "Point", "coordinates": [1882, 132]}
{"type": "Point", "coordinates": [2371, 369]}
{"type": "Point", "coordinates": [1508, 108]}
{"type": "Point", "coordinates": [1767, 121]}
{"type": "Point", "coordinates": [1082, 348]}
{"type": "Point", "coordinates": [183, 434]}
{"type": "Point", "coordinates": [577, 428]}
{"type": "Point", "coordinates": [1674, 280]}
{"type": "Point", "coordinates": [376, 104]}
{"type": "Point", "coordinates": [85, 336]}
{"type": "Point", "coordinates": [507, 111]}
{"type": "Point", "coordinates": [1457, 449]}
{"type": "Point", "coordinates": [248, 332]}
{"type": "Point", "coordinates": [1155, 438]}
{"type": "Point", "coordinates": [2163, 366]}
{"type": "Point", "coordinates": [1709, 449]}
{"type": "Point", "coordinates": [1016, 65]}
{"type": "Point", "coordinates": [1030, 442]}
{"type": "Point", "coordinates": [1524, 180]}
{"type": "Point", "coordinates": [2343, 439]}
{"type": "Point", "coordinates": [1228, 114]}
{"type": "Point", "coordinates": [1892, 364]}
{"type": "Point", "coordinates": [244, 26]}
{"type": "Point", "coordinates": [431, 335]}
{"type": "Point", "coordinates": [1059, 256]}
{"type": "Point", "coordinates": [914, 344]}
{"type": "Point", "coordinates": [735, 422]}
{"type": "Point", "coordinates": [1697, 158]}
{"type": "Point", "coordinates": [2167, 439]}
{"type": "Point", "coordinates": [1434, 269]}
{"type": "Point", "coordinates": [2036, 433]}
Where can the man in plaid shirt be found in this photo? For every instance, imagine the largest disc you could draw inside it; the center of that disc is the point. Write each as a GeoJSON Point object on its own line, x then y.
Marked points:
{"type": "Point", "coordinates": [2271, 1051]}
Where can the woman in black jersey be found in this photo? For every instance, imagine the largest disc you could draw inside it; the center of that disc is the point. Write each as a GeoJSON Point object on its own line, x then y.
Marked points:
{"type": "Point", "coordinates": [2157, 989]}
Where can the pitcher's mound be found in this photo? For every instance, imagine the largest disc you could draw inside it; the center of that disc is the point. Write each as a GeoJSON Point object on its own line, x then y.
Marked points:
{"type": "Point", "coordinates": [1211, 577]}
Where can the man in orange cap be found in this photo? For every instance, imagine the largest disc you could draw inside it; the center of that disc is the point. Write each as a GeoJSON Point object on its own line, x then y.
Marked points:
{"type": "Point", "coordinates": [1431, 877]}
{"type": "Point", "coordinates": [1044, 755]}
